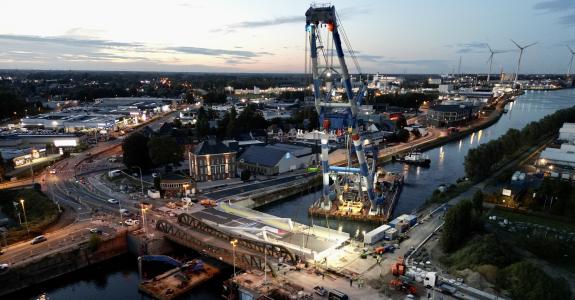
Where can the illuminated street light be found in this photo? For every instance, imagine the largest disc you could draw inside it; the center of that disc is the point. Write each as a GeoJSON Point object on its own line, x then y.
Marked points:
{"type": "Point", "coordinates": [144, 209]}
{"type": "Point", "coordinates": [25, 218]}
{"type": "Point", "coordinates": [234, 242]}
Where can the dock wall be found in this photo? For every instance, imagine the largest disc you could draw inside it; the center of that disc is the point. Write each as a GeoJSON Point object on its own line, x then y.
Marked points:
{"type": "Point", "coordinates": [71, 259]}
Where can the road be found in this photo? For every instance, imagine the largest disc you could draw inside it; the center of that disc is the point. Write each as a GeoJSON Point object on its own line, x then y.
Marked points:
{"type": "Point", "coordinates": [83, 200]}
{"type": "Point", "coordinates": [69, 236]}
{"type": "Point", "coordinates": [244, 188]}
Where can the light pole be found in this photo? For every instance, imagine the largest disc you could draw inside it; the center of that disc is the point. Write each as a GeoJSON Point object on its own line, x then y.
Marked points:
{"type": "Point", "coordinates": [120, 206]}
{"type": "Point", "coordinates": [145, 206]}
{"type": "Point", "coordinates": [234, 242]}
{"type": "Point", "coordinates": [141, 180]}
{"type": "Point", "coordinates": [25, 218]}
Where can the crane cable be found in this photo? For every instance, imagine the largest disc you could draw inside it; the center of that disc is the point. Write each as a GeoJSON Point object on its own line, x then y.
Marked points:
{"type": "Point", "coordinates": [348, 44]}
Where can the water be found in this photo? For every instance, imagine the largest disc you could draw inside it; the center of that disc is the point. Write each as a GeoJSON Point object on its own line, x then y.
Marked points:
{"type": "Point", "coordinates": [118, 278]}
{"type": "Point", "coordinates": [446, 161]}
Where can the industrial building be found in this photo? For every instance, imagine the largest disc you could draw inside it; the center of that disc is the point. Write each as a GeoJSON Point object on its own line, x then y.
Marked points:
{"type": "Point", "coordinates": [450, 115]}
{"type": "Point", "coordinates": [563, 157]}
{"type": "Point", "coordinates": [567, 133]}
{"type": "Point", "coordinates": [276, 159]}
{"type": "Point", "coordinates": [104, 114]}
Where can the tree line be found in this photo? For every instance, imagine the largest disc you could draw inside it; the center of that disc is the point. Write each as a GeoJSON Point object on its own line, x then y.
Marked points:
{"type": "Point", "coordinates": [460, 221]}
{"type": "Point", "coordinates": [144, 152]}
{"type": "Point", "coordinates": [480, 161]}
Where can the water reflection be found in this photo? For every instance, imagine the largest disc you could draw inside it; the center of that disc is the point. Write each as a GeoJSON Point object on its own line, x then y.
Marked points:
{"type": "Point", "coordinates": [441, 155]}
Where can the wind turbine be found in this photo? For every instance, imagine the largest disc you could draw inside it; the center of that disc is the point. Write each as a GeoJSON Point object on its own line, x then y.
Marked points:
{"type": "Point", "coordinates": [519, 61]}
{"type": "Point", "coordinates": [571, 61]}
{"type": "Point", "coordinates": [490, 60]}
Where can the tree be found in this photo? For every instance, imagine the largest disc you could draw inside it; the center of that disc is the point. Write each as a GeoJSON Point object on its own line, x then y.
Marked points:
{"type": "Point", "coordinates": [459, 222]}
{"type": "Point", "coordinates": [527, 282]}
{"type": "Point", "coordinates": [401, 122]}
{"type": "Point", "coordinates": [402, 135]}
{"type": "Point", "coordinates": [245, 175]}
{"type": "Point", "coordinates": [478, 202]}
{"type": "Point", "coordinates": [202, 124]}
{"type": "Point", "coordinates": [94, 242]}
{"type": "Point", "coordinates": [231, 126]}
{"type": "Point", "coordinates": [165, 150]}
{"type": "Point", "coordinates": [177, 123]}
{"type": "Point", "coordinates": [135, 148]}
{"type": "Point", "coordinates": [250, 119]}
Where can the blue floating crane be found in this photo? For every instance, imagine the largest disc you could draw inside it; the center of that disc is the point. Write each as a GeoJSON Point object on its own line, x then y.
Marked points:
{"type": "Point", "coordinates": [324, 34]}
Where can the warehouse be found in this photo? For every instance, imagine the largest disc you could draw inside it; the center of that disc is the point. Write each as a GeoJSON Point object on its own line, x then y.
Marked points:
{"type": "Point", "coordinates": [276, 159]}
{"type": "Point", "coordinates": [562, 157]}
{"type": "Point", "coordinates": [567, 133]}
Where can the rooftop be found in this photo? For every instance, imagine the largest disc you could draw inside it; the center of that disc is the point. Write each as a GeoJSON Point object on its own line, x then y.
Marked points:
{"type": "Point", "coordinates": [211, 146]}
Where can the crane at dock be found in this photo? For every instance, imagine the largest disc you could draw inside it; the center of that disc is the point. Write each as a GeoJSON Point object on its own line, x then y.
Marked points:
{"type": "Point", "coordinates": [338, 112]}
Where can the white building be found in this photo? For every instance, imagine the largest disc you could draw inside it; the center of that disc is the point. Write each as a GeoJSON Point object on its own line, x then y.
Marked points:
{"type": "Point", "coordinates": [562, 157]}
{"type": "Point", "coordinates": [567, 133]}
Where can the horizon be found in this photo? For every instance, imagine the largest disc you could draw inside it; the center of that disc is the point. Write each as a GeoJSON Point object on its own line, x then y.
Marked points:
{"type": "Point", "coordinates": [417, 37]}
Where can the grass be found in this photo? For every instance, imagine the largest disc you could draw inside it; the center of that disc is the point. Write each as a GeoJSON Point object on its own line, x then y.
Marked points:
{"type": "Point", "coordinates": [548, 221]}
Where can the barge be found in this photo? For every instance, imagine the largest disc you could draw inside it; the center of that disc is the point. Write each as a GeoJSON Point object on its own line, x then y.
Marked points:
{"type": "Point", "coordinates": [178, 281]}
{"type": "Point", "coordinates": [348, 200]}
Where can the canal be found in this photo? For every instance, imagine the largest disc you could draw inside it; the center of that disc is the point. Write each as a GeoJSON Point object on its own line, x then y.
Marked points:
{"type": "Point", "coordinates": [118, 278]}
{"type": "Point", "coordinates": [446, 162]}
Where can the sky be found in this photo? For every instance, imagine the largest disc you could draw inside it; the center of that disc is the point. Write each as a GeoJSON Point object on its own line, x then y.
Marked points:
{"type": "Point", "coordinates": [409, 36]}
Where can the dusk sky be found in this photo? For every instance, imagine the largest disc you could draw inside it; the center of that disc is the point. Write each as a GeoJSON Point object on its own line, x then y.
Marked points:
{"type": "Point", "coordinates": [413, 36]}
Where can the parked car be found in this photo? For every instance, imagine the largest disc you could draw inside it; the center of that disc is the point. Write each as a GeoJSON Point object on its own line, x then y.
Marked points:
{"type": "Point", "coordinates": [132, 222]}
{"type": "Point", "coordinates": [39, 239]}
{"type": "Point", "coordinates": [4, 267]}
{"type": "Point", "coordinates": [113, 201]}
{"type": "Point", "coordinates": [96, 230]}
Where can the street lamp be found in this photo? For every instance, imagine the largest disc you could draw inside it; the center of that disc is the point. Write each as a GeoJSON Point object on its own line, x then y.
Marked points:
{"type": "Point", "coordinates": [234, 242]}
{"type": "Point", "coordinates": [141, 180]}
{"type": "Point", "coordinates": [25, 218]}
{"type": "Point", "coordinates": [144, 206]}
{"type": "Point", "coordinates": [120, 206]}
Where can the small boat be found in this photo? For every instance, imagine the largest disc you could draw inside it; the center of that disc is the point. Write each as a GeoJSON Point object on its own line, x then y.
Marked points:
{"type": "Point", "coordinates": [415, 158]}
{"type": "Point", "coordinates": [505, 110]}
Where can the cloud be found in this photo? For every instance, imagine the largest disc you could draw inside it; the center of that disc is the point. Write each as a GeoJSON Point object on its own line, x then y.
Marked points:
{"type": "Point", "coordinates": [294, 19]}
{"type": "Point", "coordinates": [555, 5]}
{"type": "Point", "coordinates": [417, 61]}
{"type": "Point", "coordinates": [471, 47]}
{"type": "Point", "coordinates": [269, 22]}
{"type": "Point", "coordinates": [218, 52]}
{"type": "Point", "coordinates": [559, 6]}
{"type": "Point", "coordinates": [568, 20]}
{"type": "Point", "coordinates": [66, 41]}
{"type": "Point", "coordinates": [41, 49]}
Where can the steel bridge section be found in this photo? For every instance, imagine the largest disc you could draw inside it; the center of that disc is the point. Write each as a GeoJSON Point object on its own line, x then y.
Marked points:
{"type": "Point", "coordinates": [269, 249]}
{"type": "Point", "coordinates": [243, 260]}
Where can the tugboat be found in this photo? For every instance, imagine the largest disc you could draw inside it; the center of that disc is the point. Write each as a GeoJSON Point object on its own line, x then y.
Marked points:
{"type": "Point", "coordinates": [415, 158]}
